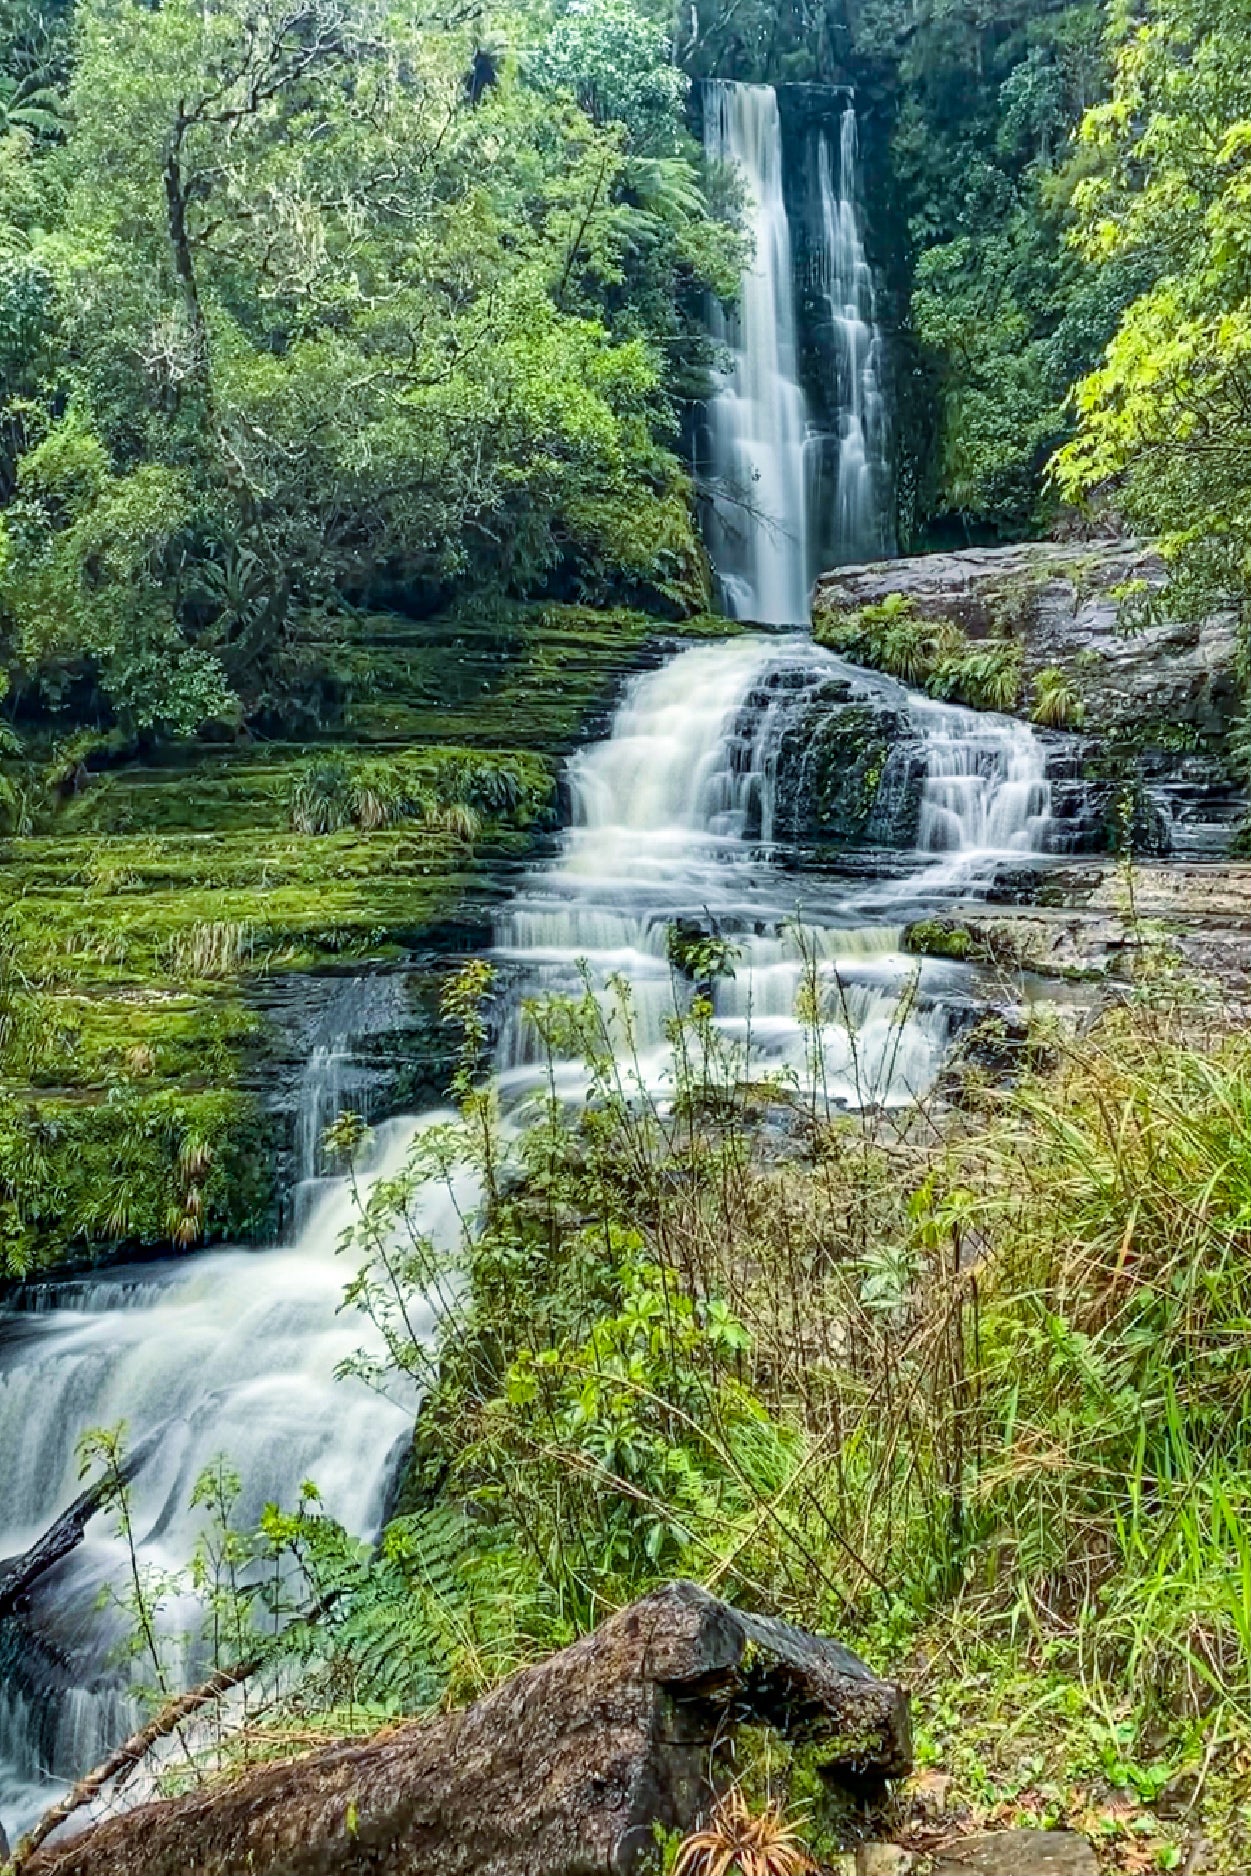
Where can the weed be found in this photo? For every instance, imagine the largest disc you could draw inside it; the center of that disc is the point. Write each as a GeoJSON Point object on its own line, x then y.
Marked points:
{"type": "Point", "coordinates": [1058, 702]}
{"type": "Point", "coordinates": [736, 1839]}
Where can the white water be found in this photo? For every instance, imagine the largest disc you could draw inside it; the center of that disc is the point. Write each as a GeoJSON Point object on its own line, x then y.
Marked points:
{"type": "Point", "coordinates": [672, 818]}
{"type": "Point", "coordinates": [235, 1351]}
{"type": "Point", "coordinates": [228, 1352]}
{"type": "Point", "coordinates": [758, 529]}
{"type": "Point", "coordinates": [766, 531]}
{"type": "Point", "coordinates": [862, 529]}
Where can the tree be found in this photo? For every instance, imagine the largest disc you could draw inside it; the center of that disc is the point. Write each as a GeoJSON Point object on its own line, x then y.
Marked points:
{"type": "Point", "coordinates": [1165, 420]}
{"type": "Point", "coordinates": [335, 318]}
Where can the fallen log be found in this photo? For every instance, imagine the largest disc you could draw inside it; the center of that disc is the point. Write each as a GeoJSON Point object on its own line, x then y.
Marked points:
{"type": "Point", "coordinates": [563, 1770]}
{"type": "Point", "coordinates": [19, 1574]}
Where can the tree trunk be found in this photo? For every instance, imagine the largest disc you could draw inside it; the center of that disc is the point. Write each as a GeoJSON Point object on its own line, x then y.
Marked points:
{"type": "Point", "coordinates": [561, 1771]}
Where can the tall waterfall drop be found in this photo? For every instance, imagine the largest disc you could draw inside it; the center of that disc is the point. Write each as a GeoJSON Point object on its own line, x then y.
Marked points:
{"type": "Point", "coordinates": [862, 528]}
{"type": "Point", "coordinates": [758, 534]}
{"type": "Point", "coordinates": [777, 515]}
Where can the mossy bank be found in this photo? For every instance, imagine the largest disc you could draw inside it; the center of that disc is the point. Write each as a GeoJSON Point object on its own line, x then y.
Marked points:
{"type": "Point", "coordinates": [154, 902]}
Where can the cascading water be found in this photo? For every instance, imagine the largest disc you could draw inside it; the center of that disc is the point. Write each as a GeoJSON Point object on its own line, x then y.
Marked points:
{"type": "Point", "coordinates": [769, 534]}
{"type": "Point", "coordinates": [229, 1352]}
{"type": "Point", "coordinates": [757, 422]}
{"type": "Point", "coordinates": [986, 789]}
{"type": "Point", "coordinates": [862, 528]}
{"type": "Point", "coordinates": [235, 1352]}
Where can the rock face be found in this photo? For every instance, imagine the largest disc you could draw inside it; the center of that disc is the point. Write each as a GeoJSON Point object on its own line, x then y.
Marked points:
{"type": "Point", "coordinates": [1159, 702]}
{"type": "Point", "coordinates": [849, 768]}
{"type": "Point", "coordinates": [563, 1769]}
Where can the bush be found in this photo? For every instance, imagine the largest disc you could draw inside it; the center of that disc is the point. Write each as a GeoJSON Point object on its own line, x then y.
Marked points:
{"type": "Point", "coordinates": [1058, 702]}
{"type": "Point", "coordinates": [930, 655]}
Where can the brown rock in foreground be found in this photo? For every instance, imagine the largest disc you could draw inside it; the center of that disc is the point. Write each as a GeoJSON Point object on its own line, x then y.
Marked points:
{"type": "Point", "coordinates": [560, 1771]}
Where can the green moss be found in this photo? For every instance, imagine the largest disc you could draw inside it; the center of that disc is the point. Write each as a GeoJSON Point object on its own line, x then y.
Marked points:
{"type": "Point", "coordinates": [530, 677]}
{"type": "Point", "coordinates": [939, 938]}
{"type": "Point", "coordinates": [128, 1028]}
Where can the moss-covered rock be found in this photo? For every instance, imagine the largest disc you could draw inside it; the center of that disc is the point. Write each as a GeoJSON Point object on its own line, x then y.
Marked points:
{"type": "Point", "coordinates": [850, 769]}
{"type": "Point", "coordinates": [940, 938]}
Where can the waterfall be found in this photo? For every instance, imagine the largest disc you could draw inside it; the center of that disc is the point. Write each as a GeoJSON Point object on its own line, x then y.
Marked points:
{"type": "Point", "coordinates": [227, 1352]}
{"type": "Point", "coordinates": [986, 788]}
{"type": "Point", "coordinates": [672, 818]}
{"type": "Point", "coordinates": [757, 422]}
{"type": "Point", "coordinates": [862, 528]}
{"type": "Point", "coordinates": [235, 1352]}
{"type": "Point", "coordinates": [768, 532]}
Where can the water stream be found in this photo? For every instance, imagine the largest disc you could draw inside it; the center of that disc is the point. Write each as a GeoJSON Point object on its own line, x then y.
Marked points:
{"type": "Point", "coordinates": [758, 528]}
{"type": "Point", "coordinates": [235, 1351]}
{"type": "Point", "coordinates": [862, 529]}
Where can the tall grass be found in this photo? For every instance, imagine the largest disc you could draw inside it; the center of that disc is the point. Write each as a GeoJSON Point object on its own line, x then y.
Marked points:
{"type": "Point", "coordinates": [894, 1367]}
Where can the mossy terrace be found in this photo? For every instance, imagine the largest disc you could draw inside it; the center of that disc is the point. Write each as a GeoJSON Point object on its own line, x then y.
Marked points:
{"type": "Point", "coordinates": [140, 902]}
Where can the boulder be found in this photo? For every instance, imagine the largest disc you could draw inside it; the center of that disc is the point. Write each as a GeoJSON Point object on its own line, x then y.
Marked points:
{"type": "Point", "coordinates": [849, 767]}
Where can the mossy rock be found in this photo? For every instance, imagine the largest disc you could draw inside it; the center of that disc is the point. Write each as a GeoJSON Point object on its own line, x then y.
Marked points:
{"type": "Point", "coordinates": [940, 938]}
{"type": "Point", "coordinates": [851, 771]}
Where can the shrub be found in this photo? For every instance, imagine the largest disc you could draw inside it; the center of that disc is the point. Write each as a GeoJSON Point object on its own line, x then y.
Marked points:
{"type": "Point", "coordinates": [321, 799]}
{"type": "Point", "coordinates": [1058, 703]}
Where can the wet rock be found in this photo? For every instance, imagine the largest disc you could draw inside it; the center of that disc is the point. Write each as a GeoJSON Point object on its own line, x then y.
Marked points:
{"type": "Point", "coordinates": [1018, 1853]}
{"type": "Point", "coordinates": [850, 768]}
{"type": "Point", "coordinates": [1158, 699]}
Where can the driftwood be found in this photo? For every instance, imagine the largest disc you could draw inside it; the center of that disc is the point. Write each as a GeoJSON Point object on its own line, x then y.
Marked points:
{"type": "Point", "coordinates": [561, 1771]}
{"type": "Point", "coordinates": [19, 1574]}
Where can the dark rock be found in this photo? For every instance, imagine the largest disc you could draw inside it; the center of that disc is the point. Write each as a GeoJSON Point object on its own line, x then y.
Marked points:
{"type": "Point", "coordinates": [1159, 699]}
{"type": "Point", "coordinates": [850, 768]}
{"type": "Point", "coordinates": [564, 1768]}
{"type": "Point", "coordinates": [1018, 1853]}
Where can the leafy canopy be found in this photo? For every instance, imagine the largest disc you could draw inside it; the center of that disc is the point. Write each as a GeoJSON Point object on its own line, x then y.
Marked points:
{"type": "Point", "coordinates": [307, 310]}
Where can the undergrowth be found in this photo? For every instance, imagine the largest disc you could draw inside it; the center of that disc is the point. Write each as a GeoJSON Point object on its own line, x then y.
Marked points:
{"type": "Point", "coordinates": [933, 656]}
{"type": "Point", "coordinates": [974, 1398]}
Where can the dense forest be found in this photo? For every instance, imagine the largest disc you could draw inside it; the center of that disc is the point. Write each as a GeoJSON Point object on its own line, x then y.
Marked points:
{"type": "Point", "coordinates": [308, 313]}
{"type": "Point", "coordinates": [526, 1075]}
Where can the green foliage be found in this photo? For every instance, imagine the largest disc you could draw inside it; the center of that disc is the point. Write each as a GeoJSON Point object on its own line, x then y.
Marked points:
{"type": "Point", "coordinates": [1002, 314]}
{"type": "Point", "coordinates": [1057, 701]}
{"type": "Point", "coordinates": [452, 793]}
{"type": "Point", "coordinates": [616, 62]}
{"type": "Point", "coordinates": [300, 318]}
{"type": "Point", "coordinates": [1162, 421]}
{"type": "Point", "coordinates": [168, 1168]}
{"type": "Point", "coordinates": [931, 655]}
